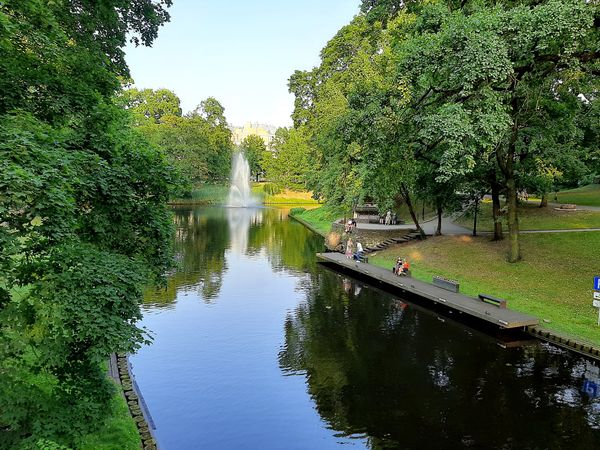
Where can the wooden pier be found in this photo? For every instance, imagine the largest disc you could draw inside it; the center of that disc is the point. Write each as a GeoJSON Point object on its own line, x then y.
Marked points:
{"type": "Point", "coordinates": [502, 317]}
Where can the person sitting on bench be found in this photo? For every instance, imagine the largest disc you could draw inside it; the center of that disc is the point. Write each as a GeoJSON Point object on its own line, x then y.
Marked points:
{"type": "Point", "coordinates": [405, 268]}
{"type": "Point", "coordinates": [398, 266]}
{"type": "Point", "coordinates": [359, 251]}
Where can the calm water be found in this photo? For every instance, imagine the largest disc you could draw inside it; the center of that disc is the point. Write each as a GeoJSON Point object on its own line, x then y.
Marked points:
{"type": "Point", "coordinates": [258, 347]}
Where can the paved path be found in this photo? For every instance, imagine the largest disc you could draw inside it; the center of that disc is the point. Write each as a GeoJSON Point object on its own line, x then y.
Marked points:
{"type": "Point", "coordinates": [502, 317]}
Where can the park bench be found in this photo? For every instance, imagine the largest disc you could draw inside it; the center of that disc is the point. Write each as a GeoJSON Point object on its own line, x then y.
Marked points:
{"type": "Point", "coordinates": [501, 303]}
{"type": "Point", "coordinates": [444, 283]}
{"type": "Point", "coordinates": [363, 258]}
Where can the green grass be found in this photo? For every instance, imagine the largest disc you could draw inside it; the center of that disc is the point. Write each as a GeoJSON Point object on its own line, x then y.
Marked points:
{"type": "Point", "coordinates": [322, 218]}
{"type": "Point", "coordinates": [205, 194]}
{"type": "Point", "coordinates": [553, 282]}
{"type": "Point", "coordinates": [587, 195]}
{"type": "Point", "coordinates": [531, 217]}
{"type": "Point", "coordinates": [118, 431]}
{"type": "Point", "coordinates": [285, 197]}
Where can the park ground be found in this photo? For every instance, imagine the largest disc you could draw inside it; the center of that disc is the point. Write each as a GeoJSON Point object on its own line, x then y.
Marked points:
{"type": "Point", "coordinates": [553, 281]}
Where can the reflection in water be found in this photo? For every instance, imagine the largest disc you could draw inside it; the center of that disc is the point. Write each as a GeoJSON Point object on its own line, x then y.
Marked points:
{"type": "Point", "coordinates": [239, 220]}
{"type": "Point", "coordinates": [374, 365]}
{"type": "Point", "coordinates": [261, 348]}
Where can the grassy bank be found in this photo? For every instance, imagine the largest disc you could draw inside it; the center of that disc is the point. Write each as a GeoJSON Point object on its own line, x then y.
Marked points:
{"type": "Point", "coordinates": [321, 218]}
{"type": "Point", "coordinates": [271, 195]}
{"type": "Point", "coordinates": [586, 195]}
{"type": "Point", "coordinates": [553, 282]}
{"type": "Point", "coordinates": [531, 217]}
{"type": "Point", "coordinates": [205, 195]}
{"type": "Point", "coordinates": [118, 431]}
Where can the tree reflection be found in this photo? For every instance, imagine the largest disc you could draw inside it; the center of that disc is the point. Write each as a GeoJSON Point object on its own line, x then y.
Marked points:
{"type": "Point", "coordinates": [200, 243]}
{"type": "Point", "coordinates": [203, 236]}
{"type": "Point", "coordinates": [375, 365]}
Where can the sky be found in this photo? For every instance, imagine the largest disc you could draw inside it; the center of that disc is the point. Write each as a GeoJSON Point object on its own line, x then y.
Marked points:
{"type": "Point", "coordinates": [240, 52]}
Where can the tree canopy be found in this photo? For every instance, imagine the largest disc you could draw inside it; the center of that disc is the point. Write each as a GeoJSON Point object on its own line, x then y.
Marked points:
{"type": "Point", "coordinates": [83, 220]}
{"type": "Point", "coordinates": [420, 97]}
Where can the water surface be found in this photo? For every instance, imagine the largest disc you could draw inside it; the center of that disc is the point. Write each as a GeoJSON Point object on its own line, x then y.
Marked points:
{"type": "Point", "coordinates": [258, 347]}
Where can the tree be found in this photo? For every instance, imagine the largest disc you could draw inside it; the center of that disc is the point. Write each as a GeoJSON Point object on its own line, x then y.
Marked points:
{"type": "Point", "coordinates": [84, 224]}
{"type": "Point", "coordinates": [150, 105]}
{"type": "Point", "coordinates": [254, 148]}
{"type": "Point", "coordinates": [287, 160]}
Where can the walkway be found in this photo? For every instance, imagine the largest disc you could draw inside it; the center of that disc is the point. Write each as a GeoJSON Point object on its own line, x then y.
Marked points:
{"type": "Point", "coordinates": [502, 317]}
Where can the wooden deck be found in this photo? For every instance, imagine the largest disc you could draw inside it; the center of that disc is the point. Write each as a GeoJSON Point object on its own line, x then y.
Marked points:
{"type": "Point", "coordinates": [504, 318]}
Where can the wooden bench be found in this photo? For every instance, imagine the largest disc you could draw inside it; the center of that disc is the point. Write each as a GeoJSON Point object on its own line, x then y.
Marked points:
{"type": "Point", "coordinates": [499, 302]}
{"type": "Point", "coordinates": [363, 258]}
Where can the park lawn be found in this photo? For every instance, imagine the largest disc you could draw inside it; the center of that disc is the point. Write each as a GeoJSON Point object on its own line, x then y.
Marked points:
{"type": "Point", "coordinates": [285, 197]}
{"type": "Point", "coordinates": [531, 217]}
{"type": "Point", "coordinates": [553, 282]}
{"type": "Point", "coordinates": [205, 194]}
{"type": "Point", "coordinates": [587, 195]}
{"type": "Point", "coordinates": [321, 218]}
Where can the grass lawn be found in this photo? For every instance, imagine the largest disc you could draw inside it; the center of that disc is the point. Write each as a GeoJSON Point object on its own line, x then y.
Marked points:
{"type": "Point", "coordinates": [285, 197]}
{"type": "Point", "coordinates": [553, 282]}
{"type": "Point", "coordinates": [206, 194]}
{"type": "Point", "coordinates": [587, 195]}
{"type": "Point", "coordinates": [531, 217]}
{"type": "Point", "coordinates": [322, 218]}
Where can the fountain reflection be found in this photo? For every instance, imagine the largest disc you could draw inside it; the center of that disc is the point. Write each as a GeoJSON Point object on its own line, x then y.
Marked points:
{"type": "Point", "coordinates": [239, 221]}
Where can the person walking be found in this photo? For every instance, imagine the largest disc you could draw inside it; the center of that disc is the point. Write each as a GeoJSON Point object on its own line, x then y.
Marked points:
{"type": "Point", "coordinates": [388, 218]}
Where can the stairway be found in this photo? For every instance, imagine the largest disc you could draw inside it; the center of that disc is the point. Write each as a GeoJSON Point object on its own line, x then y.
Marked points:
{"type": "Point", "coordinates": [385, 244]}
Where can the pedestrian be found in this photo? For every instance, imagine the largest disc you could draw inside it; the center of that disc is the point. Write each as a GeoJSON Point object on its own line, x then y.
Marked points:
{"type": "Point", "coordinates": [359, 251]}
{"type": "Point", "coordinates": [394, 219]}
{"type": "Point", "coordinates": [388, 218]}
{"type": "Point", "coordinates": [349, 248]}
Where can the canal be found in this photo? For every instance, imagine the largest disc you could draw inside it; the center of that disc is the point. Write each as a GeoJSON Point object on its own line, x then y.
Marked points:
{"type": "Point", "coordinates": [258, 347]}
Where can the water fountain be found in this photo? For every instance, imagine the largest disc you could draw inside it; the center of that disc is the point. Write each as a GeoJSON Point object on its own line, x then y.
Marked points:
{"type": "Point", "coordinates": [239, 193]}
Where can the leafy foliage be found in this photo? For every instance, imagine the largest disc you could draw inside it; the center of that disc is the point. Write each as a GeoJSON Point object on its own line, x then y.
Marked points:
{"type": "Point", "coordinates": [83, 221]}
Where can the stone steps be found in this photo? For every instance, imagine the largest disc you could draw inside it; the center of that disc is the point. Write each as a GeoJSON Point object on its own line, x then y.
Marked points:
{"type": "Point", "coordinates": [399, 240]}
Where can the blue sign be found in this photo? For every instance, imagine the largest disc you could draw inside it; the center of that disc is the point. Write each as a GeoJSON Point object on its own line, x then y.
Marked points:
{"type": "Point", "coordinates": [597, 283]}
{"type": "Point", "coordinates": [590, 388]}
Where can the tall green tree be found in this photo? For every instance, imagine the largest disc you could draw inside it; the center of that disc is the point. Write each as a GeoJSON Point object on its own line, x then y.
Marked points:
{"type": "Point", "coordinates": [254, 148]}
{"type": "Point", "coordinates": [83, 220]}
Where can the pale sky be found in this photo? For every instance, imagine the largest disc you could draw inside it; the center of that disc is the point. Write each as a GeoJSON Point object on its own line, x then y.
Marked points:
{"type": "Point", "coordinates": [240, 52]}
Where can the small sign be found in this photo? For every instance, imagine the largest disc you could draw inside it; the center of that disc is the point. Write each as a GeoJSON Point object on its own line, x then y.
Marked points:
{"type": "Point", "coordinates": [597, 283]}
{"type": "Point", "coordinates": [596, 303]}
{"type": "Point", "coordinates": [590, 388]}
{"type": "Point", "coordinates": [596, 295]}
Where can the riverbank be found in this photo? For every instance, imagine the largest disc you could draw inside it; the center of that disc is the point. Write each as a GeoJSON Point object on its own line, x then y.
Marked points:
{"type": "Point", "coordinates": [216, 194]}
{"type": "Point", "coordinates": [553, 282]}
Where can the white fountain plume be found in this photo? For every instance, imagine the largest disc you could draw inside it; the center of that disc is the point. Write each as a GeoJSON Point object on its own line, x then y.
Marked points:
{"type": "Point", "coordinates": [239, 193]}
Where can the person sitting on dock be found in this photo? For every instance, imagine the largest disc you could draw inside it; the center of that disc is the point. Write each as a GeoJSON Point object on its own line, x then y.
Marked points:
{"type": "Point", "coordinates": [359, 251]}
{"type": "Point", "coordinates": [398, 266]}
{"type": "Point", "coordinates": [405, 268]}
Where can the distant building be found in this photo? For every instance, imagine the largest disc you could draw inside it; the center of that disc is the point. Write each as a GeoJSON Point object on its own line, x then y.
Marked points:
{"type": "Point", "coordinates": [266, 132]}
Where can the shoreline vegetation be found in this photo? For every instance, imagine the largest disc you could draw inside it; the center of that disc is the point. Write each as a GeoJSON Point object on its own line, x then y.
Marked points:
{"type": "Point", "coordinates": [267, 193]}
{"type": "Point", "coordinates": [553, 283]}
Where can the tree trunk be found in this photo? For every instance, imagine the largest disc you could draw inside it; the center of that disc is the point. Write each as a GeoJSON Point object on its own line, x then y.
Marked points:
{"type": "Point", "coordinates": [544, 202]}
{"type": "Point", "coordinates": [438, 230]}
{"type": "Point", "coordinates": [498, 236]}
{"type": "Point", "coordinates": [405, 194]}
{"type": "Point", "coordinates": [513, 220]}
{"type": "Point", "coordinates": [475, 217]}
